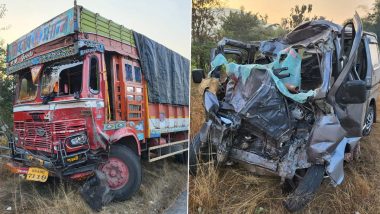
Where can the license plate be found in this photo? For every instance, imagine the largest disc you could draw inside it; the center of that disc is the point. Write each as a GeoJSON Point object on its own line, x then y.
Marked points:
{"type": "Point", "coordinates": [37, 174]}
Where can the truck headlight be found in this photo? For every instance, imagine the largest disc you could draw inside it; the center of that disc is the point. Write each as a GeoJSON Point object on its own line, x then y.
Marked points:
{"type": "Point", "coordinates": [77, 140]}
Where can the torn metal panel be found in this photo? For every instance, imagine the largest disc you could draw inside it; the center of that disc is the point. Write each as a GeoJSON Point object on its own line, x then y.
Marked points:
{"type": "Point", "coordinates": [252, 158]}
{"type": "Point", "coordinates": [211, 102]}
{"type": "Point", "coordinates": [335, 160]}
{"type": "Point", "coordinates": [305, 35]}
{"type": "Point", "coordinates": [324, 137]}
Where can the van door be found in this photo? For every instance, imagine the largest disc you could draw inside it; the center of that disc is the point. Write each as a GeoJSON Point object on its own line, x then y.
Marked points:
{"type": "Point", "coordinates": [350, 116]}
{"type": "Point", "coordinates": [373, 76]}
{"type": "Point", "coordinates": [135, 102]}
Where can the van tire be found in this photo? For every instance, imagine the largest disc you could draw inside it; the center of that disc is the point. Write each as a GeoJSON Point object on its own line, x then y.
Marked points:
{"type": "Point", "coordinates": [306, 189]}
{"type": "Point", "coordinates": [131, 160]}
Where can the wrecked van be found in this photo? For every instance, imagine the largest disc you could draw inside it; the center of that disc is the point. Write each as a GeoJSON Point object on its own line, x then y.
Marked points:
{"type": "Point", "coordinates": [295, 107]}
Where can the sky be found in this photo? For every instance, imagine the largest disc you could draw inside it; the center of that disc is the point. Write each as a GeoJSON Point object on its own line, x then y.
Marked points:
{"type": "Point", "coordinates": [165, 21]}
{"type": "Point", "coordinates": [335, 10]}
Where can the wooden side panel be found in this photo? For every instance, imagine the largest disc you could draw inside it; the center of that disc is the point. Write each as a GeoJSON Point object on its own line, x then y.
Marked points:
{"type": "Point", "coordinates": [91, 22]}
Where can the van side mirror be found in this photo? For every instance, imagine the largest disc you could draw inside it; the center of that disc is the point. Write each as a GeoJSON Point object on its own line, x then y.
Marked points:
{"type": "Point", "coordinates": [197, 75]}
{"type": "Point", "coordinates": [352, 92]}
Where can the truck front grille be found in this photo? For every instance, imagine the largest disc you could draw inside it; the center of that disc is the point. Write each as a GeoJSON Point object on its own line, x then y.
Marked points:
{"type": "Point", "coordinates": [41, 135]}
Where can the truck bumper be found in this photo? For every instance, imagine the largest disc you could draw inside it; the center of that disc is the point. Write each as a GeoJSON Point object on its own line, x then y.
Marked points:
{"type": "Point", "coordinates": [16, 168]}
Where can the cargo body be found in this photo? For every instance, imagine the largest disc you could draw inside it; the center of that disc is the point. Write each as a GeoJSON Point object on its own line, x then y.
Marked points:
{"type": "Point", "coordinates": [83, 103]}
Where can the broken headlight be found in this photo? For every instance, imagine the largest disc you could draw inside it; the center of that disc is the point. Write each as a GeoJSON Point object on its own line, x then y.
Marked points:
{"type": "Point", "coordinates": [77, 140]}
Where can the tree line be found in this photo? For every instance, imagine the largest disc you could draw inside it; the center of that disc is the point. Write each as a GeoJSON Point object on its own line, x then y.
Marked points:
{"type": "Point", "coordinates": [6, 81]}
{"type": "Point", "coordinates": [212, 22]}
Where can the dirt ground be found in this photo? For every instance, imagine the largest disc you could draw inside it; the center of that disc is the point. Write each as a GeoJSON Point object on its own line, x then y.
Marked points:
{"type": "Point", "coordinates": [234, 190]}
{"type": "Point", "coordinates": [162, 183]}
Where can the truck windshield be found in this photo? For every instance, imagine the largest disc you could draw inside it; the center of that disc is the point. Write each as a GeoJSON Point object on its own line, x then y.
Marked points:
{"type": "Point", "coordinates": [27, 89]}
{"type": "Point", "coordinates": [64, 79]}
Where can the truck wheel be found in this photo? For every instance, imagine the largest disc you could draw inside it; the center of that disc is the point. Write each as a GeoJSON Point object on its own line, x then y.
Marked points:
{"type": "Point", "coordinates": [194, 150]}
{"type": "Point", "coordinates": [368, 121]}
{"type": "Point", "coordinates": [306, 189]}
{"type": "Point", "coordinates": [123, 172]}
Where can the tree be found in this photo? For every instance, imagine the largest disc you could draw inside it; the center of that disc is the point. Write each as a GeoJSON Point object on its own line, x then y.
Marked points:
{"type": "Point", "coordinates": [371, 22]}
{"type": "Point", "coordinates": [248, 26]}
{"type": "Point", "coordinates": [6, 84]}
{"type": "Point", "coordinates": [204, 22]}
{"type": "Point", "coordinates": [298, 14]}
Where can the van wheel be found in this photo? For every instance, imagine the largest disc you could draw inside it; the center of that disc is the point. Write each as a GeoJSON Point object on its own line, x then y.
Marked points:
{"type": "Point", "coordinates": [194, 151]}
{"type": "Point", "coordinates": [123, 172]}
{"type": "Point", "coordinates": [306, 189]}
{"type": "Point", "coordinates": [369, 119]}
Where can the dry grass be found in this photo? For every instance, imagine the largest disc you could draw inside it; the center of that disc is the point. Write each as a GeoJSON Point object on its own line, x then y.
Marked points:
{"type": "Point", "coordinates": [234, 190]}
{"type": "Point", "coordinates": [196, 110]}
{"type": "Point", "coordinates": [163, 181]}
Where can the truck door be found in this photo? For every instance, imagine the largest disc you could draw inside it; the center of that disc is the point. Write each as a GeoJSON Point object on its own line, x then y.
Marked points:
{"type": "Point", "coordinates": [135, 102]}
{"type": "Point", "coordinates": [354, 67]}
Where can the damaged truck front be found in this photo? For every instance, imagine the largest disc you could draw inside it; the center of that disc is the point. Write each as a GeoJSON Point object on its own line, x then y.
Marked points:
{"type": "Point", "coordinates": [294, 106]}
{"type": "Point", "coordinates": [87, 105]}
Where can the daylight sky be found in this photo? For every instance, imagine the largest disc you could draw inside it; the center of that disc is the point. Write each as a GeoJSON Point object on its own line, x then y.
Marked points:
{"type": "Point", "coordinates": [166, 21]}
{"type": "Point", "coordinates": [335, 10]}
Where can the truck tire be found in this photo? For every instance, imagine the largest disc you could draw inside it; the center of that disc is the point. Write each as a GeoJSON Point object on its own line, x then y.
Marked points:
{"type": "Point", "coordinates": [194, 150]}
{"type": "Point", "coordinates": [369, 120]}
{"type": "Point", "coordinates": [306, 189]}
{"type": "Point", "coordinates": [123, 172]}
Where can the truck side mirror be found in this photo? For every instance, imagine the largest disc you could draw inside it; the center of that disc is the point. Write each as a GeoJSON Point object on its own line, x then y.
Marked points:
{"type": "Point", "coordinates": [352, 92]}
{"type": "Point", "coordinates": [197, 75]}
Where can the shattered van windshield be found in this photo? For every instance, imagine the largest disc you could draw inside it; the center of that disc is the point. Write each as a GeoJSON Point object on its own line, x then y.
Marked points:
{"type": "Point", "coordinates": [64, 79]}
{"type": "Point", "coordinates": [27, 89]}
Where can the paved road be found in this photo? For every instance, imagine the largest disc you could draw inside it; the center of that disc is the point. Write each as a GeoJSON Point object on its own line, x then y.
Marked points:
{"type": "Point", "coordinates": [179, 206]}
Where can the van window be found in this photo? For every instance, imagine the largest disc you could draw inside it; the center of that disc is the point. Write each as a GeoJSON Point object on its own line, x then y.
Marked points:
{"type": "Point", "coordinates": [374, 51]}
{"type": "Point", "coordinates": [94, 75]}
{"type": "Point", "coordinates": [137, 74]}
{"type": "Point", "coordinates": [128, 70]}
{"type": "Point", "coordinates": [361, 61]}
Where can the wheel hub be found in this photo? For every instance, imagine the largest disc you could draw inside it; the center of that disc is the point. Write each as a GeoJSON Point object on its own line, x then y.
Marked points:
{"type": "Point", "coordinates": [369, 121]}
{"type": "Point", "coordinates": [117, 173]}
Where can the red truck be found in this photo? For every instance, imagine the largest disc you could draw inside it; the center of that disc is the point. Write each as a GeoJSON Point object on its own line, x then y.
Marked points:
{"type": "Point", "coordinates": [93, 96]}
